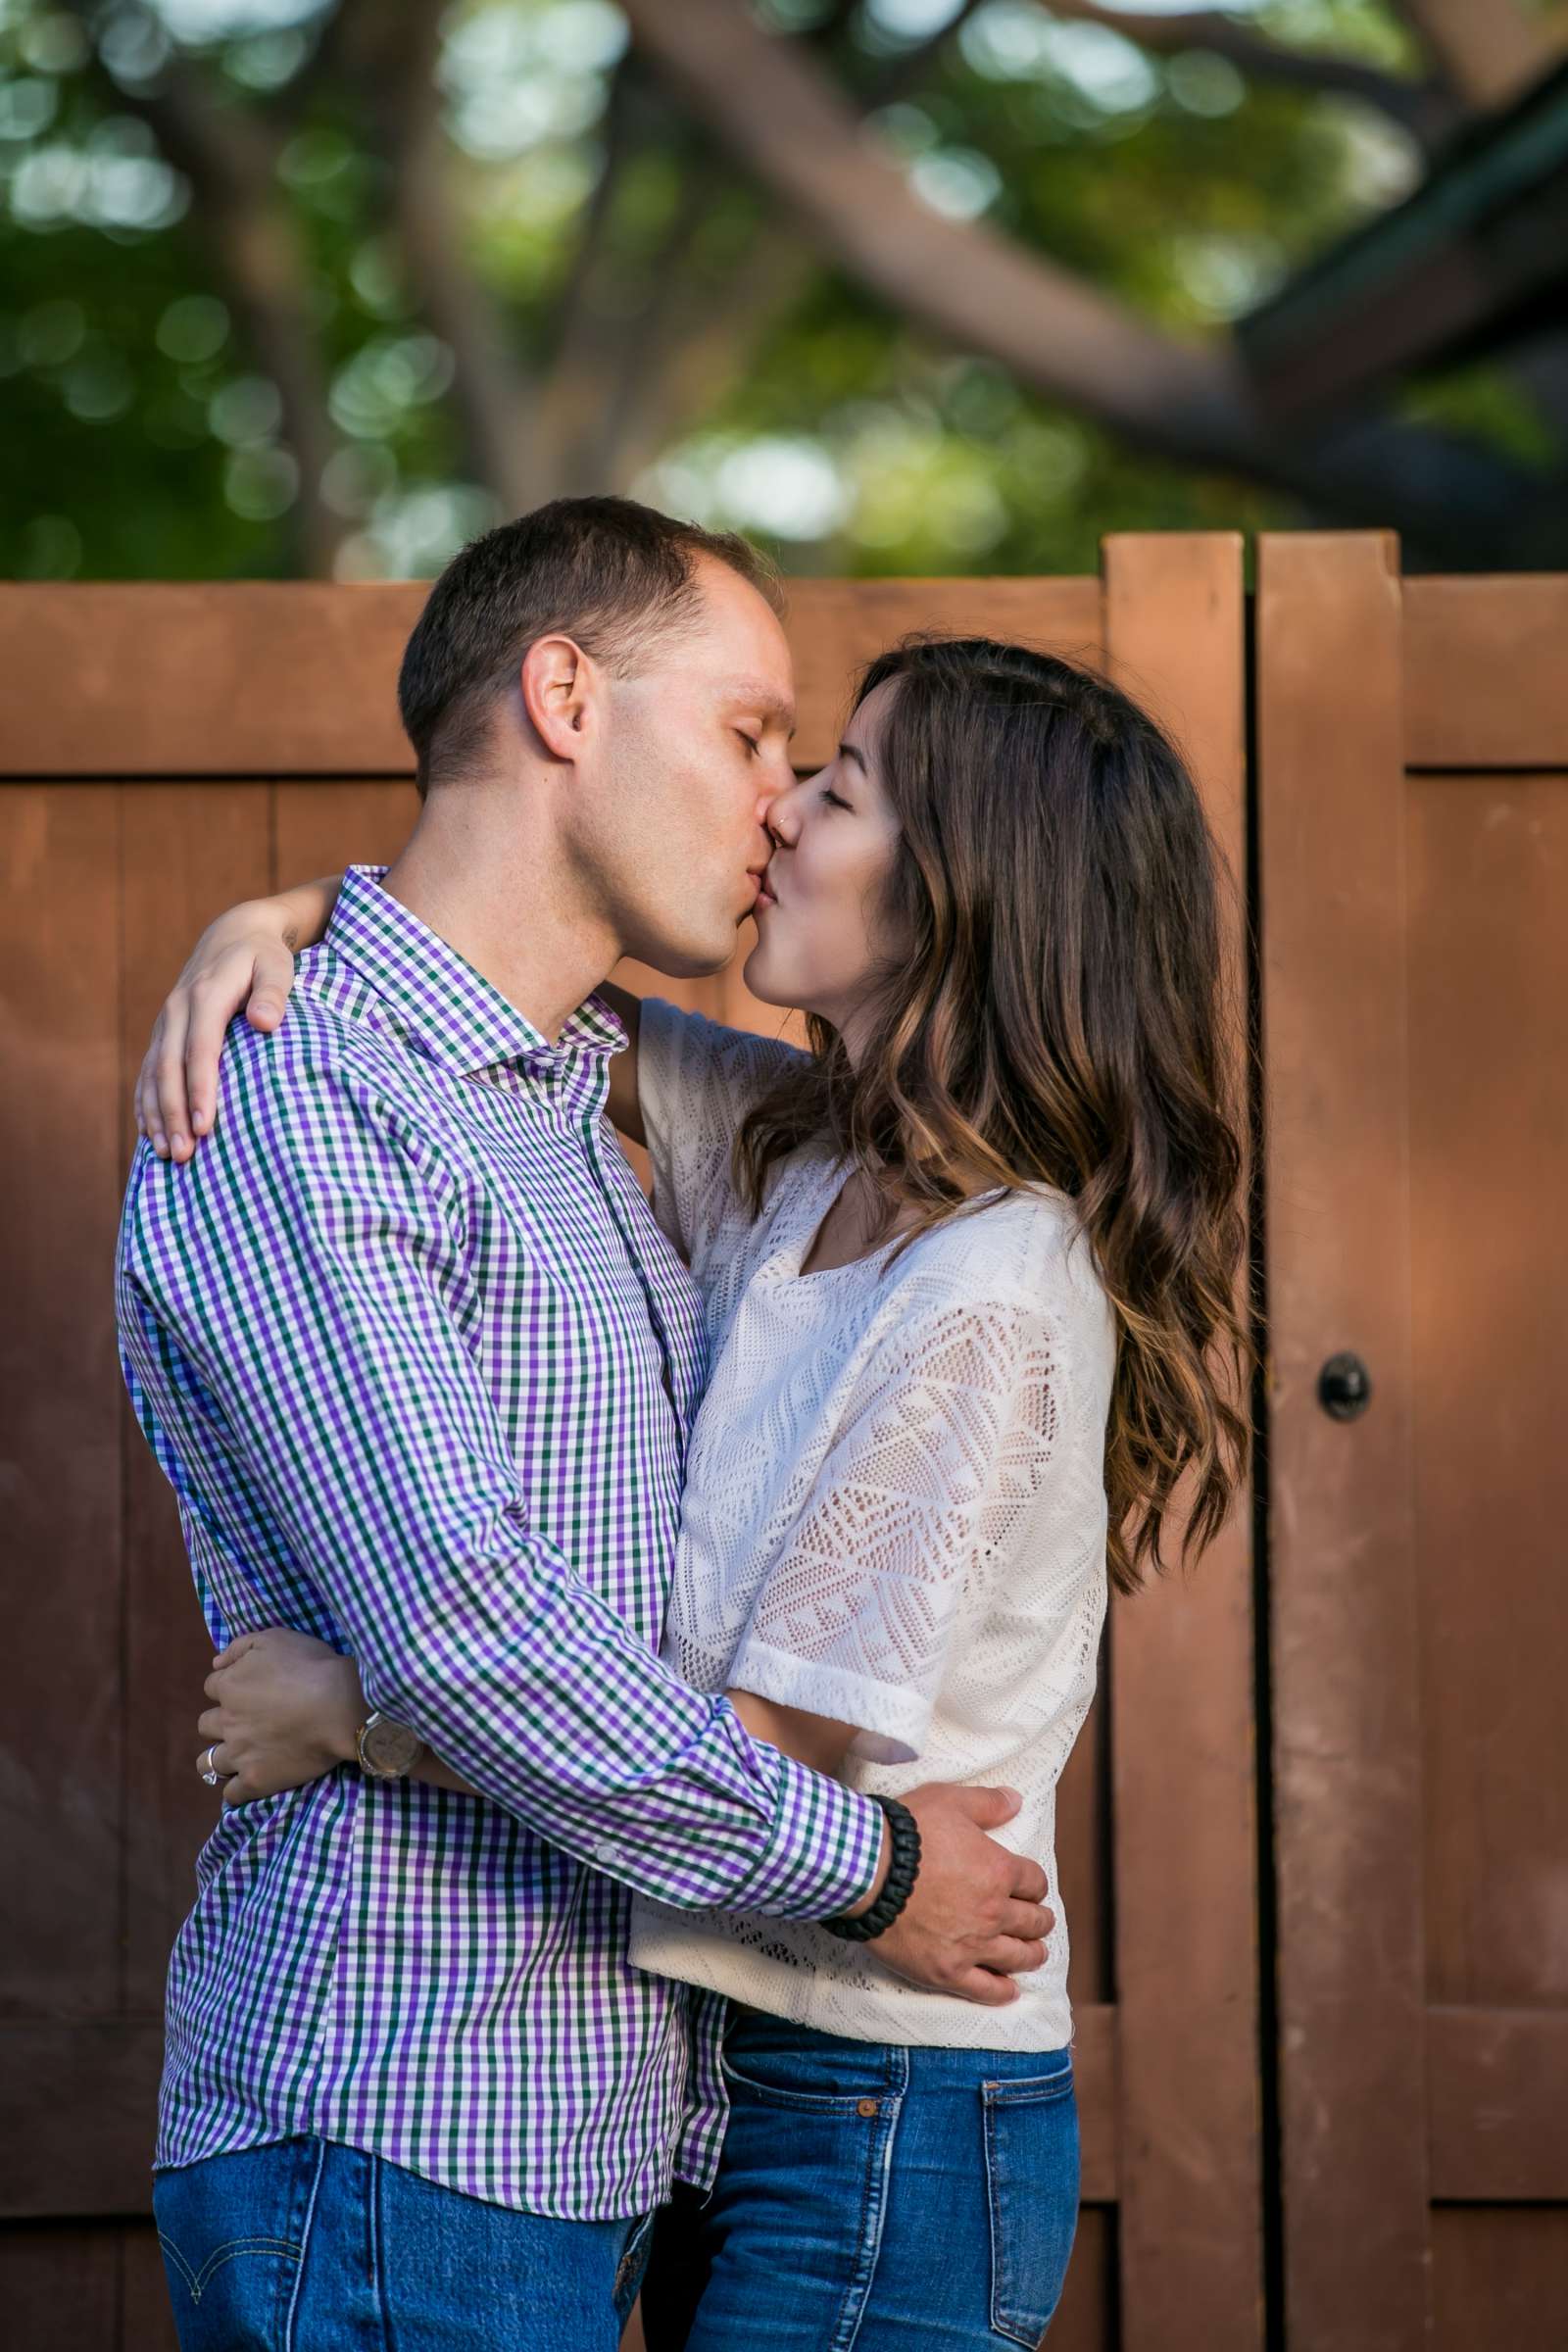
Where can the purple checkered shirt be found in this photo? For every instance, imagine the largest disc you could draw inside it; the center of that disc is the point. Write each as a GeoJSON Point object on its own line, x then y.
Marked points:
{"type": "Point", "coordinates": [421, 1368]}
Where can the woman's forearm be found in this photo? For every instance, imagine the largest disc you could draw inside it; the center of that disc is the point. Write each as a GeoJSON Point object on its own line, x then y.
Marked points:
{"type": "Point", "coordinates": [437, 1775]}
{"type": "Point", "coordinates": [810, 1739]}
{"type": "Point", "coordinates": [307, 909]}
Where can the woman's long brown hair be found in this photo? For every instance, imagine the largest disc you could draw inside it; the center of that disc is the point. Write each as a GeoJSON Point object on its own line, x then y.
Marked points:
{"type": "Point", "coordinates": [1058, 1012]}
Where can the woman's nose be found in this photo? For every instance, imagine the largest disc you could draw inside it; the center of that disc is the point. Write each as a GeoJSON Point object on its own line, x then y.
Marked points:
{"type": "Point", "coordinates": [780, 817]}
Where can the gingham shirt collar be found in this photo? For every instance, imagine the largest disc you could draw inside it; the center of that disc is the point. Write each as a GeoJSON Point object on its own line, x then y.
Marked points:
{"type": "Point", "coordinates": [445, 1009]}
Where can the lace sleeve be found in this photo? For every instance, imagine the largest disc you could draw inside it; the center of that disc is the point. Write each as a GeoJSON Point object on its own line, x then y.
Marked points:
{"type": "Point", "coordinates": [951, 1435]}
{"type": "Point", "coordinates": [695, 1082]}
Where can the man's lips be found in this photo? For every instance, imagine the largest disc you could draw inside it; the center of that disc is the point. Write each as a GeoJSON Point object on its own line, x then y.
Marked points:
{"type": "Point", "coordinates": [765, 896]}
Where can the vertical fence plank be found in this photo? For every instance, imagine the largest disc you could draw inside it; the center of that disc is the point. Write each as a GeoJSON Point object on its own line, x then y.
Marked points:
{"type": "Point", "coordinates": [323, 827]}
{"type": "Point", "coordinates": [60, 2290]}
{"type": "Point", "coordinates": [63, 1738]}
{"type": "Point", "coordinates": [1345, 1637]}
{"type": "Point", "coordinates": [59, 1402]}
{"type": "Point", "coordinates": [147, 2318]}
{"type": "Point", "coordinates": [1182, 1662]}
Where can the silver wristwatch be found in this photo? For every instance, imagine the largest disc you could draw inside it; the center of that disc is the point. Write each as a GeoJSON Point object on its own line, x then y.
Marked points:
{"type": "Point", "coordinates": [387, 1750]}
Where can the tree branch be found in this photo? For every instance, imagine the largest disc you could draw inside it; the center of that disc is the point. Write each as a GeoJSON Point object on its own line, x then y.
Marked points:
{"type": "Point", "coordinates": [602, 318]}
{"type": "Point", "coordinates": [692, 346]}
{"type": "Point", "coordinates": [786, 124]}
{"type": "Point", "coordinates": [627, 376]}
{"type": "Point", "coordinates": [977, 289]}
{"type": "Point", "coordinates": [392, 54]}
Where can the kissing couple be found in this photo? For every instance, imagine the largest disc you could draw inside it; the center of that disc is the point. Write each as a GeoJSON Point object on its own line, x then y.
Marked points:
{"type": "Point", "coordinates": [650, 1639]}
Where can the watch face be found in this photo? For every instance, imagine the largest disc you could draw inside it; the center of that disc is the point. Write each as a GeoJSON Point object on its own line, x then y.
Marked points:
{"type": "Point", "coordinates": [389, 1749]}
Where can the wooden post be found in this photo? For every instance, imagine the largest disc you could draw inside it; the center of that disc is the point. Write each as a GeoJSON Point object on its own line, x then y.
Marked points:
{"type": "Point", "coordinates": [1345, 1634]}
{"type": "Point", "coordinates": [1182, 1662]}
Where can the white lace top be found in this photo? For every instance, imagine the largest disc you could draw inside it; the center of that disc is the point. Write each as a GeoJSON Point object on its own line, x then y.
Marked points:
{"type": "Point", "coordinates": [895, 1516]}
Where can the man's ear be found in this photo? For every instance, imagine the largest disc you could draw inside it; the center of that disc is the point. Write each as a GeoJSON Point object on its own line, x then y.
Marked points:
{"type": "Point", "coordinates": [557, 681]}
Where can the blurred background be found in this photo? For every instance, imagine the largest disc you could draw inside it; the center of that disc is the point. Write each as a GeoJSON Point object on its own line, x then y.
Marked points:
{"type": "Point", "coordinates": [899, 287]}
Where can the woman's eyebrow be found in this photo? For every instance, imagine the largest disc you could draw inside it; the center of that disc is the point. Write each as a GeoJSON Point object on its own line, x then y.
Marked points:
{"type": "Point", "coordinates": [853, 752]}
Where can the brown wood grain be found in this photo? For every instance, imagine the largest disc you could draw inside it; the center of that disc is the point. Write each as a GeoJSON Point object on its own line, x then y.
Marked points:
{"type": "Point", "coordinates": [1097, 2068]}
{"type": "Point", "coordinates": [1486, 672]}
{"type": "Point", "coordinates": [147, 2321]}
{"type": "Point", "coordinates": [1345, 1636]}
{"type": "Point", "coordinates": [1488, 1255]}
{"type": "Point", "coordinates": [322, 826]}
{"type": "Point", "coordinates": [1084, 1861]}
{"type": "Point", "coordinates": [164, 679]}
{"type": "Point", "coordinates": [59, 2288]}
{"type": "Point", "coordinates": [1181, 1673]}
{"type": "Point", "coordinates": [296, 677]}
{"type": "Point", "coordinates": [1497, 2105]}
{"type": "Point", "coordinates": [1085, 2319]}
{"type": "Point", "coordinates": [60, 1406]}
{"type": "Point", "coordinates": [1500, 2279]}
{"type": "Point", "coordinates": [836, 626]}
{"type": "Point", "coordinates": [76, 2096]}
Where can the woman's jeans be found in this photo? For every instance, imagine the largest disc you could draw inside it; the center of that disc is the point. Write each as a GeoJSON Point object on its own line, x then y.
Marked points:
{"type": "Point", "coordinates": [872, 2196]}
{"type": "Point", "coordinates": [308, 2247]}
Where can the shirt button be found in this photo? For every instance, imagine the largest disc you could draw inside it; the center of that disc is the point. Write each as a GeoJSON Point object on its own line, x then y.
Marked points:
{"type": "Point", "coordinates": [866, 2107]}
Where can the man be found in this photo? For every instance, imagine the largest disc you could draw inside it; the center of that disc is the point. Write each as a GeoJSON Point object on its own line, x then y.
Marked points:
{"type": "Point", "coordinates": [421, 1370]}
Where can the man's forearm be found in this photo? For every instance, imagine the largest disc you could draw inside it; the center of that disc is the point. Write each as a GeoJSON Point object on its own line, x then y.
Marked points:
{"type": "Point", "coordinates": [629, 1771]}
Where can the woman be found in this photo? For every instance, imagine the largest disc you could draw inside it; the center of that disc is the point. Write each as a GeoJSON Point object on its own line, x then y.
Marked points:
{"type": "Point", "coordinates": [969, 1269]}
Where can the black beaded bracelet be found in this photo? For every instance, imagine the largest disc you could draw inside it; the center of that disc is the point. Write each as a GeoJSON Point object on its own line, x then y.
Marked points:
{"type": "Point", "coordinates": [897, 1888]}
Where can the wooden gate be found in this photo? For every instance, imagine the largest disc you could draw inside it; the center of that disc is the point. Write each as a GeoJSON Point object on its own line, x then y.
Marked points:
{"type": "Point", "coordinates": [1413, 838]}
{"type": "Point", "coordinates": [167, 750]}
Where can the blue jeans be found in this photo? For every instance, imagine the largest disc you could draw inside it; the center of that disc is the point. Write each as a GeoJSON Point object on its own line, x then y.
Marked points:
{"type": "Point", "coordinates": [307, 2246]}
{"type": "Point", "coordinates": [873, 2196]}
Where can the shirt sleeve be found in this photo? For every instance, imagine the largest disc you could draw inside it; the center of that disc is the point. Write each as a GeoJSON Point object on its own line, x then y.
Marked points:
{"type": "Point", "coordinates": [695, 1081]}
{"type": "Point", "coordinates": [309, 1270]}
{"type": "Point", "coordinates": [943, 1448]}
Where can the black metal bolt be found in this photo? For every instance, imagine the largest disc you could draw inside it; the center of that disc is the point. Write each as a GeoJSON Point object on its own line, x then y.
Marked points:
{"type": "Point", "coordinates": [1345, 1387]}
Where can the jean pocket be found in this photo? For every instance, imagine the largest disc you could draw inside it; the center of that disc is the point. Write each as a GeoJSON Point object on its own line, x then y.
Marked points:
{"type": "Point", "coordinates": [230, 2230]}
{"type": "Point", "coordinates": [1031, 2136]}
{"type": "Point", "coordinates": [819, 2076]}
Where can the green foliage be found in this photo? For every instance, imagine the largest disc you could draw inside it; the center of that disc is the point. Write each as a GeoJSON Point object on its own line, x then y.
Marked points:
{"type": "Point", "coordinates": [145, 439]}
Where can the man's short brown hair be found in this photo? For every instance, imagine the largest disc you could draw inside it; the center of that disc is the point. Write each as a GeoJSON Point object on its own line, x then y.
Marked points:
{"type": "Point", "coordinates": [613, 575]}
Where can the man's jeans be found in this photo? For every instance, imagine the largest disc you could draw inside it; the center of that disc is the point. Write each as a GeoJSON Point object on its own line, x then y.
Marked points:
{"type": "Point", "coordinates": [307, 2246]}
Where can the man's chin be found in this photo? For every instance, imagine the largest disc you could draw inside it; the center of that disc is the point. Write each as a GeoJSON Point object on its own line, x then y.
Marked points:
{"type": "Point", "coordinates": [686, 958]}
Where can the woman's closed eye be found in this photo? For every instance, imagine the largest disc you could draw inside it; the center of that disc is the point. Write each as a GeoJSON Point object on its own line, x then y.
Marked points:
{"type": "Point", "coordinates": [834, 800]}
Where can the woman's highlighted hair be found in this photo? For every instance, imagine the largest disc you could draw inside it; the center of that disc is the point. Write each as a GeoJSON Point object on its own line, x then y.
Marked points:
{"type": "Point", "coordinates": [1058, 1014]}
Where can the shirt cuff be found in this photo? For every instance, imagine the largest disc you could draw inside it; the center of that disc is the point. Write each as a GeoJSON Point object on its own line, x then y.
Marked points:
{"type": "Point", "coordinates": [824, 1852]}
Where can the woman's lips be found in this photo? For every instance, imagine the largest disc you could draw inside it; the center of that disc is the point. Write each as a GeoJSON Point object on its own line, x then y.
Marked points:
{"type": "Point", "coordinates": [764, 897]}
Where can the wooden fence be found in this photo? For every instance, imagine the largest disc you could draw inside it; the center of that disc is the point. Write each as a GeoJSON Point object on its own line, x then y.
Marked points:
{"type": "Point", "coordinates": [1322, 2068]}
